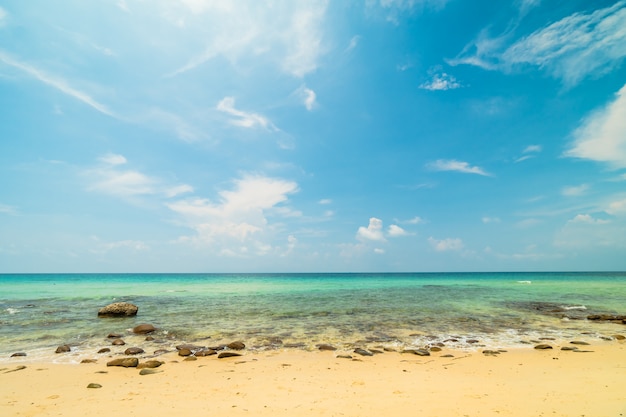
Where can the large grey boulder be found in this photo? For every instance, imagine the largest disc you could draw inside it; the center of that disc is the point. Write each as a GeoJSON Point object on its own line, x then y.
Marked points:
{"type": "Point", "coordinates": [118, 310]}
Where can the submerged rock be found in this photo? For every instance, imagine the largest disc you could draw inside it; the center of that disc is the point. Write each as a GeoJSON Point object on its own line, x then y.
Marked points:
{"type": "Point", "coordinates": [144, 329]}
{"type": "Point", "coordinates": [418, 352]}
{"type": "Point", "coordinates": [118, 342]}
{"type": "Point", "coordinates": [104, 350]}
{"type": "Point", "coordinates": [133, 351]}
{"type": "Point", "coordinates": [118, 310]}
{"type": "Point", "coordinates": [17, 354]}
{"type": "Point", "coordinates": [184, 352]}
{"type": "Point", "coordinates": [236, 345]}
{"type": "Point", "coordinates": [63, 349]}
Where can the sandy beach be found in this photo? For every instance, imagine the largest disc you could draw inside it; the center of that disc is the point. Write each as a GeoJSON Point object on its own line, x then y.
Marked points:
{"type": "Point", "coordinates": [292, 382]}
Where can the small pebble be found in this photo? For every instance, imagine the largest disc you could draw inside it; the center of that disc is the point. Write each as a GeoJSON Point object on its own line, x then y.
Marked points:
{"type": "Point", "coordinates": [94, 385]}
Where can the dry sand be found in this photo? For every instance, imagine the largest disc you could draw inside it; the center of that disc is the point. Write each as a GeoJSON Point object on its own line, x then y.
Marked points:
{"type": "Point", "coordinates": [521, 382]}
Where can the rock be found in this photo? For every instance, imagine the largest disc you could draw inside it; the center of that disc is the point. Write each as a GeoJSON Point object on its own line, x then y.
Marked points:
{"type": "Point", "coordinates": [228, 354]}
{"type": "Point", "coordinates": [94, 385]}
{"type": "Point", "coordinates": [363, 352]}
{"type": "Point", "coordinates": [125, 362]}
{"type": "Point", "coordinates": [133, 351]}
{"type": "Point", "coordinates": [543, 346]}
{"type": "Point", "coordinates": [344, 357]}
{"type": "Point", "coordinates": [149, 371]}
{"type": "Point", "coordinates": [324, 346]}
{"type": "Point", "coordinates": [114, 336]}
{"type": "Point", "coordinates": [149, 339]}
{"type": "Point", "coordinates": [619, 337]}
{"type": "Point", "coordinates": [488, 352]}
{"type": "Point", "coordinates": [190, 358]}
{"type": "Point", "coordinates": [569, 348]}
{"type": "Point", "coordinates": [236, 345]}
{"type": "Point", "coordinates": [144, 329]}
{"type": "Point", "coordinates": [17, 354]}
{"type": "Point", "coordinates": [63, 349]}
{"type": "Point", "coordinates": [104, 350]}
{"type": "Point", "coordinates": [150, 364]}
{"type": "Point", "coordinates": [118, 310]}
{"type": "Point", "coordinates": [435, 349]}
{"type": "Point", "coordinates": [118, 342]}
{"type": "Point", "coordinates": [418, 352]}
{"type": "Point", "coordinates": [160, 352]}
{"type": "Point", "coordinates": [184, 352]}
{"type": "Point", "coordinates": [579, 342]}
{"type": "Point", "coordinates": [206, 352]}
{"type": "Point", "coordinates": [472, 341]}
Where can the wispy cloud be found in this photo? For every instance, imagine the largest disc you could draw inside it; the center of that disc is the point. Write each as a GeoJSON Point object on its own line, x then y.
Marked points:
{"type": "Point", "coordinates": [56, 83]}
{"type": "Point", "coordinates": [7, 209]}
{"type": "Point", "coordinates": [396, 8]}
{"type": "Point", "coordinates": [529, 152]}
{"type": "Point", "coordinates": [448, 244]}
{"type": "Point", "coordinates": [575, 190]}
{"type": "Point", "coordinates": [3, 16]}
{"type": "Point", "coordinates": [457, 166]}
{"type": "Point", "coordinates": [441, 82]}
{"type": "Point", "coordinates": [308, 97]}
{"type": "Point", "coordinates": [354, 41]}
{"type": "Point", "coordinates": [374, 231]}
{"type": "Point", "coordinates": [602, 136]}
{"type": "Point", "coordinates": [242, 118]}
{"type": "Point", "coordinates": [588, 219]}
{"type": "Point", "coordinates": [396, 231]}
{"type": "Point", "coordinates": [487, 220]}
{"type": "Point", "coordinates": [571, 49]}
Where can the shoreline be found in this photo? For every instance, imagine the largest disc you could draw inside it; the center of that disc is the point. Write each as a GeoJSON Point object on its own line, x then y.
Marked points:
{"type": "Point", "coordinates": [518, 382]}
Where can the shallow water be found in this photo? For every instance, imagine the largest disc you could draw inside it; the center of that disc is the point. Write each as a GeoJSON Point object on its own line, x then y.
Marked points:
{"type": "Point", "coordinates": [40, 312]}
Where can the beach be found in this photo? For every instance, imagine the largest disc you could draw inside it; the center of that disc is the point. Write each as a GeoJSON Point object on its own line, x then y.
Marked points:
{"type": "Point", "coordinates": [292, 382]}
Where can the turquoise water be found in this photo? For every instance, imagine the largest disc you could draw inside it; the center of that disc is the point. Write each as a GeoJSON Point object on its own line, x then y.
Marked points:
{"type": "Point", "coordinates": [269, 311]}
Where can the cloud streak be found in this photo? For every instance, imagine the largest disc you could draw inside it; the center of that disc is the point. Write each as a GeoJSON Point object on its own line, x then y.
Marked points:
{"type": "Point", "coordinates": [456, 166]}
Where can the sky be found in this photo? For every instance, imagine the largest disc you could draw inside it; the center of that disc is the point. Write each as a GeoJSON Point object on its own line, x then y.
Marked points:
{"type": "Point", "coordinates": [312, 136]}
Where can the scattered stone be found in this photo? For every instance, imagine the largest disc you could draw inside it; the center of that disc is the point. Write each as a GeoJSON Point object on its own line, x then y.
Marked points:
{"type": "Point", "coordinates": [125, 362]}
{"type": "Point", "coordinates": [118, 310]}
{"type": "Point", "coordinates": [184, 352]}
{"type": "Point", "coordinates": [447, 356]}
{"type": "Point", "coordinates": [582, 351]}
{"type": "Point", "coordinates": [149, 371]}
{"type": "Point", "coordinates": [17, 354]}
{"type": "Point", "coordinates": [472, 341]}
{"type": "Point", "coordinates": [376, 351]}
{"type": "Point", "coordinates": [94, 385]}
{"type": "Point", "coordinates": [619, 337]}
{"type": "Point", "coordinates": [228, 354]}
{"type": "Point", "coordinates": [606, 338]}
{"type": "Point", "coordinates": [546, 338]}
{"type": "Point", "coordinates": [236, 345]}
{"type": "Point", "coordinates": [294, 345]}
{"type": "Point", "coordinates": [118, 342]}
{"type": "Point", "coordinates": [435, 349]}
{"type": "Point", "coordinates": [18, 368]}
{"type": "Point", "coordinates": [150, 364]}
{"type": "Point", "coordinates": [188, 346]}
{"type": "Point", "coordinates": [344, 356]}
{"type": "Point", "coordinates": [114, 336]}
{"type": "Point", "coordinates": [543, 346]}
{"type": "Point", "coordinates": [89, 361]}
{"type": "Point", "coordinates": [324, 346]}
{"type": "Point", "coordinates": [63, 349]}
{"type": "Point", "coordinates": [569, 348]}
{"type": "Point", "coordinates": [488, 352]}
{"type": "Point", "coordinates": [418, 352]}
{"type": "Point", "coordinates": [133, 351]}
{"type": "Point", "coordinates": [389, 349]}
{"type": "Point", "coordinates": [363, 352]}
{"type": "Point", "coordinates": [144, 329]}
{"type": "Point", "coordinates": [579, 342]}
{"type": "Point", "coordinates": [451, 340]}
{"type": "Point", "coordinates": [149, 339]}
{"type": "Point", "coordinates": [190, 358]}
{"type": "Point", "coordinates": [104, 350]}
{"type": "Point", "coordinates": [160, 352]}
{"type": "Point", "coordinates": [206, 352]}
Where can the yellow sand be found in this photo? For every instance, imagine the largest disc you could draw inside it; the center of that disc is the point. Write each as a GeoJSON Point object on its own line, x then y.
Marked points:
{"type": "Point", "coordinates": [524, 382]}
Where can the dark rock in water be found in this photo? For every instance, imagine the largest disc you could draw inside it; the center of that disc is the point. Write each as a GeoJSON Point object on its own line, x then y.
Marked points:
{"type": "Point", "coordinates": [94, 385]}
{"type": "Point", "coordinates": [17, 354]}
{"type": "Point", "coordinates": [579, 342]}
{"type": "Point", "coordinates": [184, 352]}
{"type": "Point", "coordinates": [144, 329]}
{"type": "Point", "coordinates": [206, 352]}
{"type": "Point", "coordinates": [418, 352]}
{"type": "Point", "coordinates": [89, 361]}
{"type": "Point", "coordinates": [125, 362]}
{"type": "Point", "coordinates": [325, 346]}
{"type": "Point", "coordinates": [228, 354]}
{"type": "Point", "coordinates": [114, 336]}
{"type": "Point", "coordinates": [149, 339]}
{"type": "Point", "coordinates": [118, 342]}
{"type": "Point", "coordinates": [294, 345]}
{"type": "Point", "coordinates": [118, 310]}
{"type": "Point", "coordinates": [363, 352]}
{"type": "Point", "coordinates": [619, 319]}
{"type": "Point", "coordinates": [472, 341]}
{"type": "Point", "coordinates": [160, 352]}
{"type": "Point", "coordinates": [149, 371]}
{"type": "Point", "coordinates": [63, 349]}
{"type": "Point", "coordinates": [189, 346]}
{"type": "Point", "coordinates": [150, 364]}
{"type": "Point", "coordinates": [543, 346]}
{"type": "Point", "coordinates": [236, 345]}
{"type": "Point", "coordinates": [104, 350]}
{"type": "Point", "coordinates": [133, 351]}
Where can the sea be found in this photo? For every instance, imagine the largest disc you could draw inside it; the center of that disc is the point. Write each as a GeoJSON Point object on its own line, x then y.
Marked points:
{"type": "Point", "coordinates": [466, 311]}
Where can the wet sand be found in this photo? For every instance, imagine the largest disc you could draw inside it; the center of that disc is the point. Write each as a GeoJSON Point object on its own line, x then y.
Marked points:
{"type": "Point", "coordinates": [291, 382]}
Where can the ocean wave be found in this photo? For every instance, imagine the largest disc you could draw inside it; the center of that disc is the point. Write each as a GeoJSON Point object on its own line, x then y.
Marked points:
{"type": "Point", "coordinates": [581, 307]}
{"type": "Point", "coordinates": [524, 282]}
{"type": "Point", "coordinates": [12, 310]}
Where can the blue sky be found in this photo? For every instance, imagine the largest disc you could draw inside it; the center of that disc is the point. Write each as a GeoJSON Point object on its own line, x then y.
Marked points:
{"type": "Point", "coordinates": [388, 135]}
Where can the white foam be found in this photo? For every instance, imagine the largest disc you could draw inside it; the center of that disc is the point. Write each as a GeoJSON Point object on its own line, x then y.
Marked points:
{"type": "Point", "coordinates": [581, 307]}
{"type": "Point", "coordinates": [524, 282]}
{"type": "Point", "coordinates": [12, 310]}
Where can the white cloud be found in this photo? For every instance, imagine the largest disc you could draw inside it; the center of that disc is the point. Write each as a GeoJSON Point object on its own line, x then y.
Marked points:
{"type": "Point", "coordinates": [416, 220]}
{"type": "Point", "coordinates": [353, 43]}
{"type": "Point", "coordinates": [379, 251]}
{"type": "Point", "coordinates": [571, 49]}
{"type": "Point", "coordinates": [575, 191]}
{"type": "Point", "coordinates": [617, 208]}
{"type": "Point", "coordinates": [458, 166]}
{"type": "Point", "coordinates": [448, 244]}
{"type": "Point", "coordinates": [111, 179]}
{"type": "Point", "coordinates": [441, 82]}
{"type": "Point", "coordinates": [3, 15]}
{"type": "Point", "coordinates": [287, 32]}
{"type": "Point", "coordinates": [135, 245]}
{"type": "Point", "coordinates": [587, 219]}
{"type": "Point", "coordinates": [374, 231]}
{"type": "Point", "coordinates": [602, 136]}
{"type": "Point", "coordinates": [397, 8]}
{"type": "Point", "coordinates": [239, 213]}
{"type": "Point", "coordinates": [529, 152]}
{"type": "Point", "coordinates": [242, 118]}
{"type": "Point", "coordinates": [325, 201]}
{"type": "Point", "coordinates": [6, 209]}
{"type": "Point", "coordinates": [308, 97]}
{"type": "Point", "coordinates": [395, 231]}
{"type": "Point", "coordinates": [56, 83]}
{"type": "Point", "coordinates": [490, 220]}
